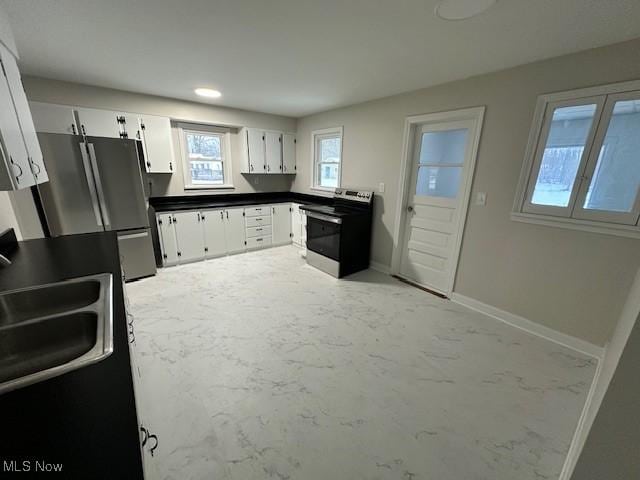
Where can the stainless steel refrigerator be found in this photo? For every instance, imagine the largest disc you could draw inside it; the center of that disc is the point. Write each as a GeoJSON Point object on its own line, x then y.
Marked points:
{"type": "Point", "coordinates": [95, 184]}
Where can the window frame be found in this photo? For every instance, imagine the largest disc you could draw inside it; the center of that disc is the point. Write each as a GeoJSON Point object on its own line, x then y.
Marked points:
{"type": "Point", "coordinates": [316, 136]}
{"type": "Point", "coordinates": [574, 216]}
{"type": "Point", "coordinates": [225, 151]}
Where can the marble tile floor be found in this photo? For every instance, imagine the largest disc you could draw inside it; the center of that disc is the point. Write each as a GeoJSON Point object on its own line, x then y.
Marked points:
{"type": "Point", "coordinates": [257, 366]}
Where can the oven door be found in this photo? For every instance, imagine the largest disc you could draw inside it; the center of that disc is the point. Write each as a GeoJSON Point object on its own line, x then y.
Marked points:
{"type": "Point", "coordinates": [323, 234]}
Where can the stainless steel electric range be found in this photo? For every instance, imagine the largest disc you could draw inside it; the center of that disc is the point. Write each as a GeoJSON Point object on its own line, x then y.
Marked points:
{"type": "Point", "coordinates": [339, 235]}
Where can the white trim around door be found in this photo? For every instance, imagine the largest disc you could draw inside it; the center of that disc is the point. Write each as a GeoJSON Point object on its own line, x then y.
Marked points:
{"type": "Point", "coordinates": [413, 126]}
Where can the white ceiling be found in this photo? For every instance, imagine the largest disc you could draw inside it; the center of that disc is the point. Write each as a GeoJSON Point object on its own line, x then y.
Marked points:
{"type": "Point", "coordinates": [295, 57]}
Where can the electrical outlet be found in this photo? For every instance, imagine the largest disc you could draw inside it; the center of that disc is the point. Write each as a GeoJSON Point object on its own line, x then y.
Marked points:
{"type": "Point", "coordinates": [481, 198]}
{"type": "Point", "coordinates": [381, 187]}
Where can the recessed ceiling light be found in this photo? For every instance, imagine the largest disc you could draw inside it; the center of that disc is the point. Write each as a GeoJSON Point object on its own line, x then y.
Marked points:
{"type": "Point", "coordinates": [462, 9]}
{"type": "Point", "coordinates": [208, 92]}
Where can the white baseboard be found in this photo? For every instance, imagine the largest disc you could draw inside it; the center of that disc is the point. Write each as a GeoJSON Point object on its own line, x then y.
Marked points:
{"type": "Point", "coordinates": [379, 267]}
{"type": "Point", "coordinates": [582, 429]}
{"type": "Point", "coordinates": [531, 327]}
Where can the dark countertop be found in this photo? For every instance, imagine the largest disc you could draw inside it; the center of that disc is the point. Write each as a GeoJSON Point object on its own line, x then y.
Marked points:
{"type": "Point", "coordinates": [84, 419]}
{"type": "Point", "coordinates": [190, 202]}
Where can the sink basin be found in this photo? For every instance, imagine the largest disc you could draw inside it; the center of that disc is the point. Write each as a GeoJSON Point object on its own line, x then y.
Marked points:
{"type": "Point", "coordinates": [21, 305]}
{"type": "Point", "coordinates": [52, 329]}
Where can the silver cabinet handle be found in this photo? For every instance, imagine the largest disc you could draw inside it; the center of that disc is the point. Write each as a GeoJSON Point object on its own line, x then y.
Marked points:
{"type": "Point", "coordinates": [96, 173]}
{"type": "Point", "coordinates": [91, 183]}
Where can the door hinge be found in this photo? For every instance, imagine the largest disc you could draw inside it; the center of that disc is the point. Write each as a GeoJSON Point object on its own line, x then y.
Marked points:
{"type": "Point", "coordinates": [159, 221]}
{"type": "Point", "coordinates": [142, 126]}
{"type": "Point", "coordinates": [245, 242]}
{"type": "Point", "coordinates": [179, 254]}
{"type": "Point", "coordinates": [243, 214]}
{"type": "Point", "coordinates": [206, 249]}
{"type": "Point", "coordinates": [164, 255]}
{"type": "Point", "coordinates": [171, 166]}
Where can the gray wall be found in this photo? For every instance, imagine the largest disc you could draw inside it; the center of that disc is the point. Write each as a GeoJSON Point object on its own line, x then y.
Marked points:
{"type": "Point", "coordinates": [66, 93]}
{"type": "Point", "coordinates": [572, 281]}
{"type": "Point", "coordinates": [612, 450]}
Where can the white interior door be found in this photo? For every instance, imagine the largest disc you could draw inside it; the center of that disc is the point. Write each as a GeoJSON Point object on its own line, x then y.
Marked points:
{"type": "Point", "coordinates": [441, 165]}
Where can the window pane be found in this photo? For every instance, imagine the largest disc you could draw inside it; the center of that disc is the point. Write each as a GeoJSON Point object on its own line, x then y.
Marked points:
{"type": "Point", "coordinates": [205, 158]}
{"type": "Point", "coordinates": [328, 174]}
{"type": "Point", "coordinates": [615, 180]}
{"type": "Point", "coordinates": [446, 147]}
{"type": "Point", "coordinates": [568, 134]}
{"type": "Point", "coordinates": [438, 181]}
{"type": "Point", "coordinates": [328, 161]}
{"type": "Point", "coordinates": [329, 149]}
{"type": "Point", "coordinates": [205, 172]}
{"type": "Point", "coordinates": [202, 145]}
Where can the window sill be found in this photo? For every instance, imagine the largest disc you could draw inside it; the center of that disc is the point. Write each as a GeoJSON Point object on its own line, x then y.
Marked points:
{"type": "Point", "coordinates": [209, 187]}
{"type": "Point", "coordinates": [629, 231]}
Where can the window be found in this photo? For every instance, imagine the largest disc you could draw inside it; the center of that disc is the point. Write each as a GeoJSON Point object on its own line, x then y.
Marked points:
{"type": "Point", "coordinates": [205, 157]}
{"type": "Point", "coordinates": [582, 168]}
{"type": "Point", "coordinates": [327, 157]}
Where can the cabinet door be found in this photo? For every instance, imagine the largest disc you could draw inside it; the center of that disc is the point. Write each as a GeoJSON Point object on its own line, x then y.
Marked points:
{"type": "Point", "coordinates": [273, 152]}
{"type": "Point", "coordinates": [296, 224]}
{"type": "Point", "coordinates": [131, 125]}
{"type": "Point", "coordinates": [215, 243]}
{"type": "Point", "coordinates": [255, 148]}
{"type": "Point", "coordinates": [189, 235]}
{"type": "Point", "coordinates": [157, 144]}
{"type": "Point", "coordinates": [50, 118]}
{"type": "Point", "coordinates": [288, 153]}
{"type": "Point", "coordinates": [16, 172]}
{"type": "Point", "coordinates": [281, 223]}
{"type": "Point", "coordinates": [99, 123]}
{"type": "Point", "coordinates": [234, 230]}
{"type": "Point", "coordinates": [168, 243]}
{"type": "Point", "coordinates": [14, 81]}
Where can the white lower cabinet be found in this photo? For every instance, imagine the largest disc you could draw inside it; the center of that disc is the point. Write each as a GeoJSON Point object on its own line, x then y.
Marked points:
{"type": "Point", "coordinates": [167, 236]}
{"type": "Point", "coordinates": [281, 223]}
{"type": "Point", "coordinates": [195, 235]}
{"type": "Point", "coordinates": [298, 225]}
{"type": "Point", "coordinates": [234, 230]}
{"type": "Point", "coordinates": [190, 237]}
{"type": "Point", "coordinates": [215, 242]}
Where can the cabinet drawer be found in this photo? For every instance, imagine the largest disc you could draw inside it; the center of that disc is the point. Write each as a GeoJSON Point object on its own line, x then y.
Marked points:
{"type": "Point", "coordinates": [259, 221]}
{"type": "Point", "coordinates": [259, 231]}
{"type": "Point", "coordinates": [259, 242]}
{"type": "Point", "coordinates": [257, 211]}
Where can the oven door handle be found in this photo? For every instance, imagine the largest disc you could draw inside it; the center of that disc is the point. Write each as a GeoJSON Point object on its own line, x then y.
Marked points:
{"type": "Point", "coordinates": [324, 218]}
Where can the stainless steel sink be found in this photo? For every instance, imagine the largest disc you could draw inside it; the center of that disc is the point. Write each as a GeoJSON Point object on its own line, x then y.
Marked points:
{"type": "Point", "coordinates": [52, 329]}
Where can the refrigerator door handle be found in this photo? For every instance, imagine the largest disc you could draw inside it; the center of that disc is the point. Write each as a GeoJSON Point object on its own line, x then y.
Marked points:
{"type": "Point", "coordinates": [90, 183]}
{"type": "Point", "coordinates": [101, 198]}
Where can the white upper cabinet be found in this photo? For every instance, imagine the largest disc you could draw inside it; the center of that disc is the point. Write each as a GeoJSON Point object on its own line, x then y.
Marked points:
{"type": "Point", "coordinates": [100, 123]}
{"type": "Point", "coordinates": [288, 153]}
{"type": "Point", "coordinates": [50, 118]}
{"type": "Point", "coordinates": [21, 163]}
{"type": "Point", "coordinates": [268, 151]}
{"type": "Point", "coordinates": [156, 142]}
{"type": "Point", "coordinates": [255, 161]}
{"type": "Point", "coordinates": [281, 223]}
{"type": "Point", "coordinates": [273, 151]}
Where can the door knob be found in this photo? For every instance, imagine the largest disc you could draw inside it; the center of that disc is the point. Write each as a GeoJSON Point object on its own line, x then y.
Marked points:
{"type": "Point", "coordinates": [410, 208]}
